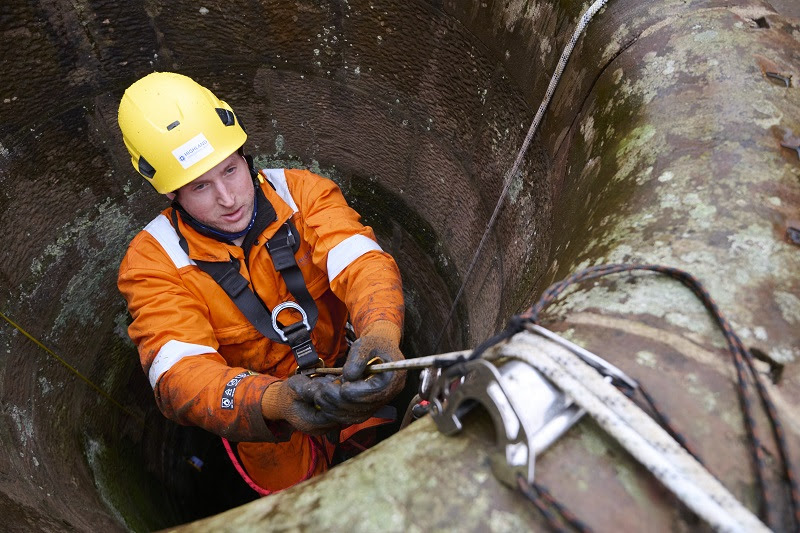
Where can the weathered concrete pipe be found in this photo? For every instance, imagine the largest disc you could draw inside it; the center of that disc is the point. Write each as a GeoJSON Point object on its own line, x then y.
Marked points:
{"type": "Point", "coordinates": [663, 144]}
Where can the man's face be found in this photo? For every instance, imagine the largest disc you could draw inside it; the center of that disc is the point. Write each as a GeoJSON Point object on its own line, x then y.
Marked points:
{"type": "Point", "coordinates": [222, 198]}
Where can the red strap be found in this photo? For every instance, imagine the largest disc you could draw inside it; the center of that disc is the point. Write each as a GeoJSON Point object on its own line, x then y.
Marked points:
{"type": "Point", "coordinates": [253, 485]}
{"type": "Point", "coordinates": [345, 434]}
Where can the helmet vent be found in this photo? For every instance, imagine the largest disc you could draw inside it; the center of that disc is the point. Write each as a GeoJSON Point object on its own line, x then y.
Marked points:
{"type": "Point", "coordinates": [173, 125]}
{"type": "Point", "coordinates": [226, 116]}
{"type": "Point", "coordinates": [145, 168]}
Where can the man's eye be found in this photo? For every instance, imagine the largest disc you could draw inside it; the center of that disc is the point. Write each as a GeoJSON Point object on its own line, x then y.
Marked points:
{"type": "Point", "coordinates": [231, 170]}
{"type": "Point", "coordinates": [199, 187]}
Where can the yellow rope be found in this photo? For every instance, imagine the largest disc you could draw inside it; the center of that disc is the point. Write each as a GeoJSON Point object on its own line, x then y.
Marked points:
{"type": "Point", "coordinates": [73, 370]}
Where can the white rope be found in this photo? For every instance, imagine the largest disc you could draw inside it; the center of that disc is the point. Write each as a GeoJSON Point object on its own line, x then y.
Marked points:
{"type": "Point", "coordinates": [417, 363]}
{"type": "Point", "coordinates": [636, 432]}
{"type": "Point", "coordinates": [537, 119]}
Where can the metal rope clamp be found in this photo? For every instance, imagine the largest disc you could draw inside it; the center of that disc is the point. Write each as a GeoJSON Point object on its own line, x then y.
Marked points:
{"type": "Point", "coordinates": [529, 412]}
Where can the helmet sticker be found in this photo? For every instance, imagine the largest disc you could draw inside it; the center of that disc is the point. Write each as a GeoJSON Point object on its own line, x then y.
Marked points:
{"type": "Point", "coordinates": [193, 151]}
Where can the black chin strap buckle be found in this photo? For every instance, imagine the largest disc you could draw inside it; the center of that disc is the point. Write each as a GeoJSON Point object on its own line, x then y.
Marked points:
{"type": "Point", "coordinates": [297, 336]}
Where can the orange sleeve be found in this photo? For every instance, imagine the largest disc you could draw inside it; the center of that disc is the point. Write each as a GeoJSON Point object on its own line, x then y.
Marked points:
{"type": "Point", "coordinates": [363, 276]}
{"type": "Point", "coordinates": [192, 383]}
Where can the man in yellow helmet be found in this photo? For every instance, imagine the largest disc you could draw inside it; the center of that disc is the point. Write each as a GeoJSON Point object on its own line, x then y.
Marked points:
{"type": "Point", "coordinates": [246, 278]}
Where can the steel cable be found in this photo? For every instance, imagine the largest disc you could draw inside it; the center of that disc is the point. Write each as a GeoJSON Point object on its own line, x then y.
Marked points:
{"type": "Point", "coordinates": [584, 20]}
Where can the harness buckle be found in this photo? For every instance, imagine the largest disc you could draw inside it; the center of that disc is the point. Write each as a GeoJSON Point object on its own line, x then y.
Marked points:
{"type": "Point", "coordinates": [282, 252]}
{"type": "Point", "coordinates": [231, 281]}
{"type": "Point", "coordinates": [290, 238]}
{"type": "Point", "coordinates": [311, 372]}
{"type": "Point", "coordinates": [299, 336]}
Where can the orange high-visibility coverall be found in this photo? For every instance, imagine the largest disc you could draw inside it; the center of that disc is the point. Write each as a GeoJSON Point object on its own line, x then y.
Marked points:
{"type": "Point", "coordinates": [194, 343]}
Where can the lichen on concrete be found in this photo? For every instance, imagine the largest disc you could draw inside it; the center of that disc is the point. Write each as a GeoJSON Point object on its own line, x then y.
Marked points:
{"type": "Point", "coordinates": [789, 305]}
{"type": "Point", "coordinates": [695, 206]}
{"type": "Point", "coordinates": [24, 425]}
{"type": "Point", "coordinates": [95, 452]}
{"type": "Point", "coordinates": [130, 494]}
{"type": "Point", "coordinates": [632, 482]}
{"type": "Point", "coordinates": [100, 252]}
{"type": "Point", "coordinates": [646, 358]}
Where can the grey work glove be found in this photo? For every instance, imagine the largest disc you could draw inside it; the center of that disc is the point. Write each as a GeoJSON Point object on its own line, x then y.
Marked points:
{"type": "Point", "coordinates": [356, 396]}
{"type": "Point", "coordinates": [292, 400]}
{"type": "Point", "coordinates": [331, 402]}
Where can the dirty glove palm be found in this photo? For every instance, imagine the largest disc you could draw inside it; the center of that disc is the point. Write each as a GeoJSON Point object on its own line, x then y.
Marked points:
{"type": "Point", "coordinates": [354, 398]}
{"type": "Point", "coordinates": [292, 400]}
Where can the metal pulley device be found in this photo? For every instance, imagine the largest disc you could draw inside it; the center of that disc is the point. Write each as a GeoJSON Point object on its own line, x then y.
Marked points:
{"type": "Point", "coordinates": [528, 411]}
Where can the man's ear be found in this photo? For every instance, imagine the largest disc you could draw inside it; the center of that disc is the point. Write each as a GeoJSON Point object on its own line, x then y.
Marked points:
{"type": "Point", "coordinates": [170, 195]}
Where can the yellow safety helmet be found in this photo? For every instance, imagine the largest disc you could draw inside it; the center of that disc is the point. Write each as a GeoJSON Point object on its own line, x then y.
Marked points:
{"type": "Point", "coordinates": [175, 129]}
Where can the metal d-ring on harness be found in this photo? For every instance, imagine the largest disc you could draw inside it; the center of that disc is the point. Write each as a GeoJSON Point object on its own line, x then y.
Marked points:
{"type": "Point", "coordinates": [288, 305]}
{"type": "Point", "coordinates": [282, 247]}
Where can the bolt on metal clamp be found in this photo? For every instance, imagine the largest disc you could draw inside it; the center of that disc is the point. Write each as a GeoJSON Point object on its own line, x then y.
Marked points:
{"type": "Point", "coordinates": [529, 412]}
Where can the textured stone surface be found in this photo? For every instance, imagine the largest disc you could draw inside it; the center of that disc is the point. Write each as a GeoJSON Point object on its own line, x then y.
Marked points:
{"type": "Point", "coordinates": [662, 144]}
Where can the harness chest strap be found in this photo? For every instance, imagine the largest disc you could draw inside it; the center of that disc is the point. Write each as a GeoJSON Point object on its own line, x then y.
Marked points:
{"type": "Point", "coordinates": [281, 248]}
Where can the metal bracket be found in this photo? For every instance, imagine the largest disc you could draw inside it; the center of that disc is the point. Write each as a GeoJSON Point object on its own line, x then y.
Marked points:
{"type": "Point", "coordinates": [529, 412]}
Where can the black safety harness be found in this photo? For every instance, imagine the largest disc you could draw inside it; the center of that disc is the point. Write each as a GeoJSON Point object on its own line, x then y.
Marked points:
{"type": "Point", "coordinates": [282, 247]}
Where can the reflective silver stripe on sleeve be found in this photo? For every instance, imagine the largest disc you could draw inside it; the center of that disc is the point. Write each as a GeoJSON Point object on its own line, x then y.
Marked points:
{"type": "Point", "coordinates": [277, 178]}
{"type": "Point", "coordinates": [348, 251]}
{"type": "Point", "coordinates": [161, 229]}
{"type": "Point", "coordinates": [172, 352]}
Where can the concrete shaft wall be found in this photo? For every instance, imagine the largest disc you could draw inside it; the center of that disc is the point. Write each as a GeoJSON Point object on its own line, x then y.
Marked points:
{"type": "Point", "coordinates": [662, 144]}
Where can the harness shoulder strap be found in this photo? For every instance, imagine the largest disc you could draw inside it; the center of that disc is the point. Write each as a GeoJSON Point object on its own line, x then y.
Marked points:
{"type": "Point", "coordinates": [282, 247]}
{"type": "Point", "coordinates": [228, 277]}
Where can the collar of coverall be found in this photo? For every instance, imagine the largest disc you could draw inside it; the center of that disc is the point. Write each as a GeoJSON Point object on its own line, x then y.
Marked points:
{"type": "Point", "coordinates": [213, 247]}
{"type": "Point", "coordinates": [215, 233]}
